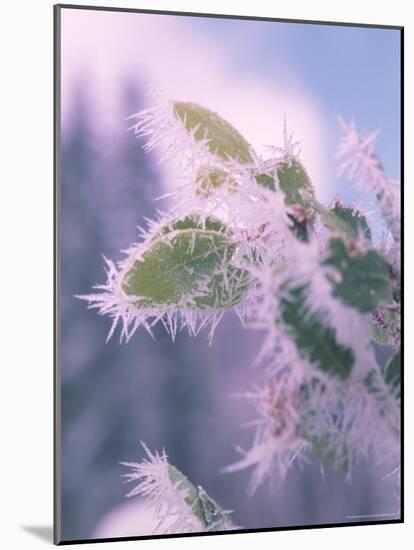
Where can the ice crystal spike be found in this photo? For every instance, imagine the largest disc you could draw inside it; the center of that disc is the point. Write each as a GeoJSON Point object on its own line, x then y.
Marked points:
{"type": "Point", "coordinates": [179, 506]}
{"type": "Point", "coordinates": [357, 159]}
{"type": "Point", "coordinates": [290, 150]}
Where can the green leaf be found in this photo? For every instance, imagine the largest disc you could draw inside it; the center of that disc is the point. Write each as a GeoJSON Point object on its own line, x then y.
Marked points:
{"type": "Point", "coordinates": [265, 180]}
{"type": "Point", "coordinates": [315, 341]}
{"type": "Point", "coordinates": [392, 374]}
{"type": "Point", "coordinates": [331, 220]}
{"type": "Point", "coordinates": [224, 140]}
{"type": "Point", "coordinates": [183, 484]}
{"type": "Point", "coordinates": [356, 222]}
{"type": "Point", "coordinates": [210, 179]}
{"type": "Point", "coordinates": [295, 183]}
{"type": "Point", "coordinates": [214, 517]}
{"type": "Point", "coordinates": [187, 265]}
{"type": "Point", "coordinates": [207, 511]}
{"type": "Point", "coordinates": [363, 281]}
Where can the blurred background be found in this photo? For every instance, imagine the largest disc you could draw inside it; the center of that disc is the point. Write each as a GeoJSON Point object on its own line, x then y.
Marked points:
{"type": "Point", "coordinates": [180, 396]}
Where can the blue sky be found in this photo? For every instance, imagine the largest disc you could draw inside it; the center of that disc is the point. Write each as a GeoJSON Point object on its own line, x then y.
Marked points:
{"type": "Point", "coordinates": [348, 71]}
{"type": "Point", "coordinates": [252, 73]}
{"type": "Point", "coordinates": [352, 71]}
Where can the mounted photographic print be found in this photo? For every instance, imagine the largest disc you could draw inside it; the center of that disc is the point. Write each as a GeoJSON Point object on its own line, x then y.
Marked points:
{"type": "Point", "coordinates": [228, 274]}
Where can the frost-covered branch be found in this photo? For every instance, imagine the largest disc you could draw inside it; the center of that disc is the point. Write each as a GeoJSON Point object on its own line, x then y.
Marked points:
{"type": "Point", "coordinates": [323, 390]}
{"type": "Point", "coordinates": [247, 233]}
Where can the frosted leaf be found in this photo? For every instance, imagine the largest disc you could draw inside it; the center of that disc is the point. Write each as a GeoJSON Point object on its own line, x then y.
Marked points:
{"type": "Point", "coordinates": [179, 506]}
{"type": "Point", "coordinates": [192, 134]}
{"type": "Point", "coordinates": [223, 140]}
{"type": "Point", "coordinates": [182, 274]}
{"type": "Point", "coordinates": [355, 220]}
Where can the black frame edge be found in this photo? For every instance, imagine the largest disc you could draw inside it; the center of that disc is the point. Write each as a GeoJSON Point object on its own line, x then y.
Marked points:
{"type": "Point", "coordinates": [402, 343]}
{"type": "Point", "coordinates": [56, 275]}
{"type": "Point", "coordinates": [230, 16]}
